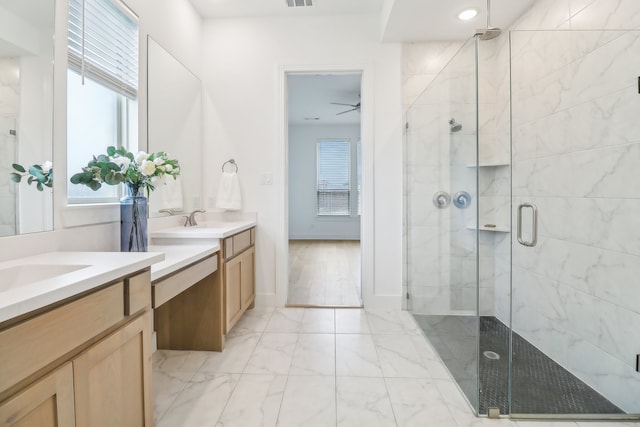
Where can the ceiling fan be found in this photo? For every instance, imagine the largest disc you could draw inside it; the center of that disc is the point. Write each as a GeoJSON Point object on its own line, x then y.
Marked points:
{"type": "Point", "coordinates": [355, 107]}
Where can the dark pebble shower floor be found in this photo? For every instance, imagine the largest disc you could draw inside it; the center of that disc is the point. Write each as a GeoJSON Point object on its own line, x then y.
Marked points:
{"type": "Point", "coordinates": [540, 385]}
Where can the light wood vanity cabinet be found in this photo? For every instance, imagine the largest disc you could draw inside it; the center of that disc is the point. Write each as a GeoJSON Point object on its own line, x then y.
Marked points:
{"type": "Point", "coordinates": [238, 267]}
{"type": "Point", "coordinates": [83, 362]}
{"type": "Point", "coordinates": [46, 403]}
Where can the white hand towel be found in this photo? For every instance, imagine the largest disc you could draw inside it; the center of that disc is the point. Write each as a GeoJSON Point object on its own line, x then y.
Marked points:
{"type": "Point", "coordinates": [229, 196]}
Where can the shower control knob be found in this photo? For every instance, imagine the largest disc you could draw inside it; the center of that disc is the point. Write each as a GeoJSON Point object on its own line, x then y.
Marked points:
{"type": "Point", "coordinates": [441, 199]}
{"type": "Point", "coordinates": [462, 199]}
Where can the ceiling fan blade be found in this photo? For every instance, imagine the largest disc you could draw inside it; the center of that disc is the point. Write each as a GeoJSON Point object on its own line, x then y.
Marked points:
{"type": "Point", "coordinates": [348, 105]}
{"type": "Point", "coordinates": [347, 111]}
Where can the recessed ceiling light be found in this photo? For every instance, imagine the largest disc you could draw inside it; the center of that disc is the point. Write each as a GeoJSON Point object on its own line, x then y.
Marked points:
{"type": "Point", "coordinates": [467, 14]}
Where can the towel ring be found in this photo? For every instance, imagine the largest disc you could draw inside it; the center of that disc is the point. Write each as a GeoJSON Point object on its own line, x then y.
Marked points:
{"type": "Point", "coordinates": [232, 162]}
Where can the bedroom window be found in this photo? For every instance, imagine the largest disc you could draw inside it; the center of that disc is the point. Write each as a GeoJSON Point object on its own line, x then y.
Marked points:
{"type": "Point", "coordinates": [334, 178]}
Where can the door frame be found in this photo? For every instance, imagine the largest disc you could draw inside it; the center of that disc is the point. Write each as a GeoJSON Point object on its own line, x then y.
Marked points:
{"type": "Point", "coordinates": [367, 251]}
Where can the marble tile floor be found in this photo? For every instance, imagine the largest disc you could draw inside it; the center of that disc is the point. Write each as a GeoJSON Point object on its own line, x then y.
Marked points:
{"type": "Point", "coordinates": [317, 367]}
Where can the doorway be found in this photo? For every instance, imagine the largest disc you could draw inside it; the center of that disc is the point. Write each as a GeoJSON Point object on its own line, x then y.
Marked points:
{"type": "Point", "coordinates": [324, 189]}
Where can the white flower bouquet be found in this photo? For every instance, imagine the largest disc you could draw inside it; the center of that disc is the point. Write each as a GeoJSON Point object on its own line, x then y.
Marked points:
{"type": "Point", "coordinates": [137, 172]}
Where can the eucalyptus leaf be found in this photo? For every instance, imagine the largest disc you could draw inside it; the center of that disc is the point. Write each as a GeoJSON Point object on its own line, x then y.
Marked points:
{"type": "Point", "coordinates": [18, 167]}
{"type": "Point", "coordinates": [36, 171]}
{"type": "Point", "coordinates": [15, 177]}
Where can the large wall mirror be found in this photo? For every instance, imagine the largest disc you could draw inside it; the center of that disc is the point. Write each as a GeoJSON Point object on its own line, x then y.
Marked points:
{"type": "Point", "coordinates": [175, 126]}
{"type": "Point", "coordinates": [26, 112]}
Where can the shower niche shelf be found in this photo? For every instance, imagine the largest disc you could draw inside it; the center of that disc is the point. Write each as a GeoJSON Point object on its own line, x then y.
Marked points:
{"type": "Point", "coordinates": [496, 229]}
{"type": "Point", "coordinates": [488, 164]}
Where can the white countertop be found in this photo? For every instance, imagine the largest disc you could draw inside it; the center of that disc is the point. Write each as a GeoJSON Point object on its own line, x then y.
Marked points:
{"type": "Point", "coordinates": [205, 230]}
{"type": "Point", "coordinates": [91, 269]}
{"type": "Point", "coordinates": [178, 256]}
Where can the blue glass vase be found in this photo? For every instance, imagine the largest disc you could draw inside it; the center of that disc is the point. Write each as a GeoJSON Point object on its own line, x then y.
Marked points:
{"type": "Point", "coordinates": [133, 220]}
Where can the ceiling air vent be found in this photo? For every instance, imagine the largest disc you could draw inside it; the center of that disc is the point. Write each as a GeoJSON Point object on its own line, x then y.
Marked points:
{"type": "Point", "coordinates": [299, 3]}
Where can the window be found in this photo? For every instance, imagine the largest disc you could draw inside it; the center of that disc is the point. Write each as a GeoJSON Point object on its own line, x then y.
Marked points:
{"type": "Point", "coordinates": [102, 85]}
{"type": "Point", "coordinates": [334, 178]}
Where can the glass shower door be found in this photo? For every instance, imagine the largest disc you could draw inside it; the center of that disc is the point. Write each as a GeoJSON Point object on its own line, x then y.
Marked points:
{"type": "Point", "coordinates": [441, 216]}
{"type": "Point", "coordinates": [576, 218]}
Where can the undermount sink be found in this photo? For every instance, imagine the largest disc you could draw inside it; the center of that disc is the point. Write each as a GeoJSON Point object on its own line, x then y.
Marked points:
{"type": "Point", "coordinates": [20, 275]}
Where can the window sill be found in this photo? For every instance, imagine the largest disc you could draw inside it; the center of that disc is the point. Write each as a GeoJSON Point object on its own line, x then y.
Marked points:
{"type": "Point", "coordinates": [77, 215]}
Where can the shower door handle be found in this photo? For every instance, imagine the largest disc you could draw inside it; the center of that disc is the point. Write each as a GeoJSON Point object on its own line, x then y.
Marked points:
{"type": "Point", "coordinates": [534, 225]}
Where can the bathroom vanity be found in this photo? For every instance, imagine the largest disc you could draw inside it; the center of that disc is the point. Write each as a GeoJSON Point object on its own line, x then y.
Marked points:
{"type": "Point", "coordinates": [76, 344]}
{"type": "Point", "coordinates": [198, 300]}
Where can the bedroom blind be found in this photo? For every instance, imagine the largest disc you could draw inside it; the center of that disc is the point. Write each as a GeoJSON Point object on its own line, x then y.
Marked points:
{"type": "Point", "coordinates": [334, 182]}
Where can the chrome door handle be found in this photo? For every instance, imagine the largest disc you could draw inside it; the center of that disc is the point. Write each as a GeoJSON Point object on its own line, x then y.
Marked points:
{"type": "Point", "coordinates": [534, 225]}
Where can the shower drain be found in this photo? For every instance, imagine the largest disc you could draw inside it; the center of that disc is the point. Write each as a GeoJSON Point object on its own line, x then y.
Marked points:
{"type": "Point", "coordinates": [491, 355]}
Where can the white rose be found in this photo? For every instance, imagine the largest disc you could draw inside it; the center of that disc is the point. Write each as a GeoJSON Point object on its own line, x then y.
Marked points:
{"type": "Point", "coordinates": [147, 168]}
{"type": "Point", "coordinates": [46, 166]}
{"type": "Point", "coordinates": [158, 161]}
{"type": "Point", "coordinates": [141, 157]}
{"type": "Point", "coordinates": [123, 162]}
{"type": "Point", "coordinates": [168, 168]}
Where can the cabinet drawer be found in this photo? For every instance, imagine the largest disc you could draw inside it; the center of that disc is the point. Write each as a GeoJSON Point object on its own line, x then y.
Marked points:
{"type": "Point", "coordinates": [37, 342]}
{"type": "Point", "coordinates": [137, 293]}
{"type": "Point", "coordinates": [238, 243]}
{"type": "Point", "coordinates": [241, 241]}
{"type": "Point", "coordinates": [165, 289]}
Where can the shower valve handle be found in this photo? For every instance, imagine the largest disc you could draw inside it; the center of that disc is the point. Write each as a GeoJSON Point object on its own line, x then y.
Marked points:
{"type": "Point", "coordinates": [441, 199]}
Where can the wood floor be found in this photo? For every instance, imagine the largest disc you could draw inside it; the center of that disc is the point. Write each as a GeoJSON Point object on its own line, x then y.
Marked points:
{"type": "Point", "coordinates": [324, 273]}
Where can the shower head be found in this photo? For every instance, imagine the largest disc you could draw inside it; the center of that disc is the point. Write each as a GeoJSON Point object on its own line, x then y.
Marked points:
{"type": "Point", "coordinates": [490, 32]}
{"type": "Point", "coordinates": [455, 126]}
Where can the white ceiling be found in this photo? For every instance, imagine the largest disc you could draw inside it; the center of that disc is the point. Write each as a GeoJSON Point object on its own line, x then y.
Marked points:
{"type": "Point", "coordinates": [242, 8]}
{"type": "Point", "coordinates": [420, 20]}
{"type": "Point", "coordinates": [310, 96]}
{"type": "Point", "coordinates": [408, 20]}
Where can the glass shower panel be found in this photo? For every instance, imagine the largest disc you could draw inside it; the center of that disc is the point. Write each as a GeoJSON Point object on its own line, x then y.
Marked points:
{"type": "Point", "coordinates": [441, 216]}
{"type": "Point", "coordinates": [576, 214]}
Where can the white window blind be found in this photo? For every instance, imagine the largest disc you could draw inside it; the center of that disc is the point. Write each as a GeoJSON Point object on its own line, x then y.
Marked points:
{"type": "Point", "coordinates": [104, 45]}
{"type": "Point", "coordinates": [334, 178]}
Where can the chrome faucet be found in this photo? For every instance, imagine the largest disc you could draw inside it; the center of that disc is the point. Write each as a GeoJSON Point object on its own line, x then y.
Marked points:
{"type": "Point", "coordinates": [191, 219]}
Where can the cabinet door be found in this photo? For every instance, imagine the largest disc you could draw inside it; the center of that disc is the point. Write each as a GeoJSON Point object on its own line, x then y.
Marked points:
{"type": "Point", "coordinates": [233, 299]}
{"type": "Point", "coordinates": [112, 379]}
{"type": "Point", "coordinates": [247, 280]}
{"type": "Point", "coordinates": [47, 403]}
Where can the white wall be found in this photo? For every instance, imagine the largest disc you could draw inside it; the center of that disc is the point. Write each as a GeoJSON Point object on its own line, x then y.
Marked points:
{"type": "Point", "coordinates": [244, 65]}
{"type": "Point", "coordinates": [304, 223]}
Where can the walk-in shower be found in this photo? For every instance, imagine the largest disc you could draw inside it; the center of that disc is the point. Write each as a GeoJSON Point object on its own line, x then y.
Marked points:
{"type": "Point", "coordinates": [528, 290]}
